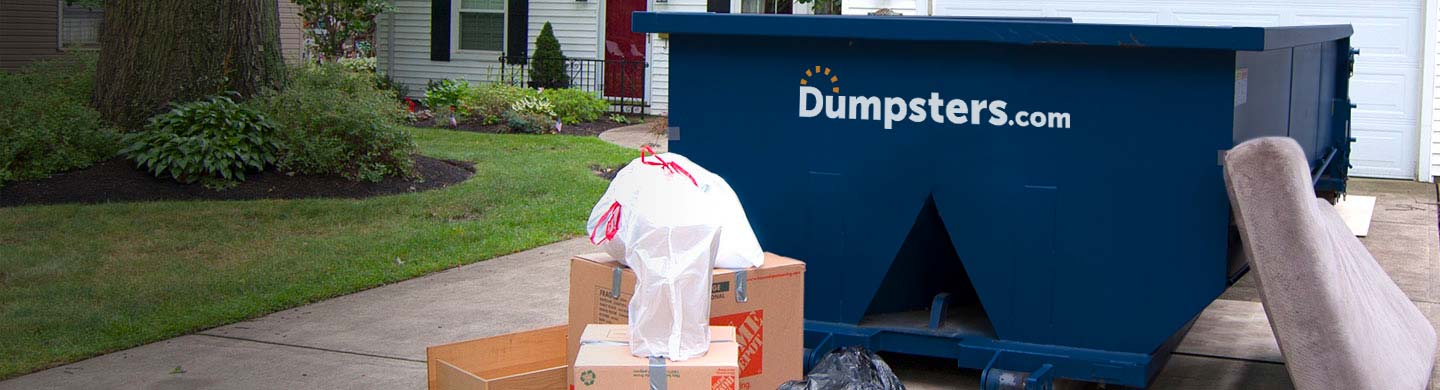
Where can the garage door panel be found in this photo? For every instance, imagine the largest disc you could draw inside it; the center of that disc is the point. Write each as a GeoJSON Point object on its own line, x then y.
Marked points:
{"type": "Point", "coordinates": [1372, 140]}
{"type": "Point", "coordinates": [1389, 37]}
{"type": "Point", "coordinates": [1385, 94]}
{"type": "Point", "coordinates": [1110, 16]}
{"type": "Point", "coordinates": [1214, 18]}
{"type": "Point", "coordinates": [961, 9]}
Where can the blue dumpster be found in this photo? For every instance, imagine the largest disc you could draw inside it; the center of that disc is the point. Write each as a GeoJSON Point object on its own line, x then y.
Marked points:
{"type": "Point", "coordinates": [1029, 197]}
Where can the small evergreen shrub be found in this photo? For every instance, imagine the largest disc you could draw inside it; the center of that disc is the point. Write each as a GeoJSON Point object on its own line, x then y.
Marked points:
{"type": "Point", "coordinates": [46, 122]}
{"type": "Point", "coordinates": [333, 121]}
{"type": "Point", "coordinates": [574, 106]}
{"type": "Point", "coordinates": [213, 141]}
{"type": "Point", "coordinates": [547, 66]}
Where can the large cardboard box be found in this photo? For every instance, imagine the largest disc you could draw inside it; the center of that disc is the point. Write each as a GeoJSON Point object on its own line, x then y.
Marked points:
{"type": "Point", "coordinates": [532, 360]}
{"type": "Point", "coordinates": [605, 363]}
{"type": "Point", "coordinates": [764, 304]}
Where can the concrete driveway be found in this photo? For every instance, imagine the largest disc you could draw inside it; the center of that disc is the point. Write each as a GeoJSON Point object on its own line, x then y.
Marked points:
{"type": "Point", "coordinates": [377, 338]}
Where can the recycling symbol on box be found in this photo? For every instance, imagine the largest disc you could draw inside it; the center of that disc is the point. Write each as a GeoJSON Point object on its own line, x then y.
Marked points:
{"type": "Point", "coordinates": [587, 377]}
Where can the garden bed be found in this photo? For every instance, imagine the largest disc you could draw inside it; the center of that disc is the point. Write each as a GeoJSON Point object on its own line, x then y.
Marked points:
{"type": "Point", "coordinates": [118, 180]}
{"type": "Point", "coordinates": [588, 129]}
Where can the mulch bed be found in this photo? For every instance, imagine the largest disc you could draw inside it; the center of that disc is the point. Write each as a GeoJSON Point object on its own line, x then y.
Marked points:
{"type": "Point", "coordinates": [118, 180]}
{"type": "Point", "coordinates": [589, 129]}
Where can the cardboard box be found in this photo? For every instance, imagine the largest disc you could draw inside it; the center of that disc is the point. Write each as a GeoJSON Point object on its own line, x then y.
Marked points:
{"type": "Point", "coordinates": [605, 363]}
{"type": "Point", "coordinates": [532, 360]}
{"type": "Point", "coordinates": [768, 315]}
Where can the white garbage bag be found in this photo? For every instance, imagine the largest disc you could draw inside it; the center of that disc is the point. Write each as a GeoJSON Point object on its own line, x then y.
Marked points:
{"type": "Point", "coordinates": [671, 221]}
{"type": "Point", "coordinates": [738, 249]}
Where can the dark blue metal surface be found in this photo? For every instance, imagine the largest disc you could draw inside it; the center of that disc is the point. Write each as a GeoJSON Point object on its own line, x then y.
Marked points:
{"type": "Point", "coordinates": [1017, 31]}
{"type": "Point", "coordinates": [1088, 244]}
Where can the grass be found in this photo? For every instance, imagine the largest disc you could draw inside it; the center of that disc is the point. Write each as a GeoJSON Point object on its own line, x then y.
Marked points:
{"type": "Point", "coordinates": [81, 280]}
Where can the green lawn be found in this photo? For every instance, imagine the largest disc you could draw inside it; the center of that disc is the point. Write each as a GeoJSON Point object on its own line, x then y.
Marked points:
{"type": "Point", "coordinates": [81, 280]}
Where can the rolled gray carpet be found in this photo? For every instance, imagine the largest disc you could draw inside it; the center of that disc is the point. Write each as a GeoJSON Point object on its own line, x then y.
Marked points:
{"type": "Point", "coordinates": [1341, 322]}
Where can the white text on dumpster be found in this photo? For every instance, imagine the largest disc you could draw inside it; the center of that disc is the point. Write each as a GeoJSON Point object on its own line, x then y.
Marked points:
{"type": "Point", "coordinates": [892, 110]}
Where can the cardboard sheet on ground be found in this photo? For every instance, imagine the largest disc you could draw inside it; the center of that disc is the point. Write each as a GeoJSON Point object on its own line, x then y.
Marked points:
{"type": "Point", "coordinates": [1357, 210]}
{"type": "Point", "coordinates": [1340, 320]}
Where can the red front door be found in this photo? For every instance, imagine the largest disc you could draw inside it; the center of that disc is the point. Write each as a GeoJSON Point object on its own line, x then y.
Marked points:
{"type": "Point", "coordinates": [624, 50]}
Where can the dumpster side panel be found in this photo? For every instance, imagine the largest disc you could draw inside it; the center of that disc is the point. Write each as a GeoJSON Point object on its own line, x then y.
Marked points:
{"type": "Point", "coordinates": [1112, 210]}
{"type": "Point", "coordinates": [1262, 94]}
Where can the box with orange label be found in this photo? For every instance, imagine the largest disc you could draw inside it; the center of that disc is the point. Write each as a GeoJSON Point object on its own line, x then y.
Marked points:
{"type": "Point", "coordinates": [764, 304]}
{"type": "Point", "coordinates": [605, 363]}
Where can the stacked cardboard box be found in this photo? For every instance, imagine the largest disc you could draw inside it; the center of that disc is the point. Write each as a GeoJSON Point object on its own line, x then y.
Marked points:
{"type": "Point", "coordinates": [604, 363]}
{"type": "Point", "coordinates": [760, 308]}
{"type": "Point", "coordinates": [764, 304]}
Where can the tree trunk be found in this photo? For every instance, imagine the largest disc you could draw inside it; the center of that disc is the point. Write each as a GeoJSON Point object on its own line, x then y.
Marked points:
{"type": "Point", "coordinates": [154, 52]}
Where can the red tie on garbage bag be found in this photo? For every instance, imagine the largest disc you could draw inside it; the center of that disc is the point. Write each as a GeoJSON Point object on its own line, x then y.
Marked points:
{"type": "Point", "coordinates": [669, 166]}
{"type": "Point", "coordinates": [611, 219]}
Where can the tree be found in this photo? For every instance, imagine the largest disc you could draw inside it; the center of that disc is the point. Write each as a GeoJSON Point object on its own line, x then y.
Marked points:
{"type": "Point", "coordinates": [341, 26]}
{"type": "Point", "coordinates": [547, 67]}
{"type": "Point", "coordinates": [154, 52]}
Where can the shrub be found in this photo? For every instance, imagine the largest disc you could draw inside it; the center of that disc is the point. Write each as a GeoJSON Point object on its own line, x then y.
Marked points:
{"type": "Point", "coordinates": [575, 106]}
{"type": "Point", "coordinates": [547, 67]}
{"type": "Point", "coordinates": [46, 122]}
{"type": "Point", "coordinates": [333, 121]}
{"type": "Point", "coordinates": [214, 141]}
{"type": "Point", "coordinates": [489, 104]}
{"type": "Point", "coordinates": [529, 122]}
{"type": "Point", "coordinates": [361, 65]}
{"type": "Point", "coordinates": [446, 94]}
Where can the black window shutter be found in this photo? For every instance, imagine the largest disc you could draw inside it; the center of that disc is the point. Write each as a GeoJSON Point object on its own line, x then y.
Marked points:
{"type": "Point", "coordinates": [517, 33]}
{"type": "Point", "coordinates": [440, 30]}
{"type": "Point", "coordinates": [717, 6]}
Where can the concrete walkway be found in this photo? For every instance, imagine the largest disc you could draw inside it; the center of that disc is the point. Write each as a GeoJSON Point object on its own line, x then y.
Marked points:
{"type": "Point", "coordinates": [635, 136]}
{"type": "Point", "coordinates": [377, 338]}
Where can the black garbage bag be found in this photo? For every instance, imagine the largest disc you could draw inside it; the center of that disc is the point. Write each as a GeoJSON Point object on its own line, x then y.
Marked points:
{"type": "Point", "coordinates": [849, 368]}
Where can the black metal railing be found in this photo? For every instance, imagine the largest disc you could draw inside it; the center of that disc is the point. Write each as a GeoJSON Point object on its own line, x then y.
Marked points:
{"type": "Point", "coordinates": [622, 83]}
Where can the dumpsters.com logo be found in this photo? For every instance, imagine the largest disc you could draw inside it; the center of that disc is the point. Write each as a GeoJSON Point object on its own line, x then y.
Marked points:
{"type": "Point", "coordinates": [820, 97]}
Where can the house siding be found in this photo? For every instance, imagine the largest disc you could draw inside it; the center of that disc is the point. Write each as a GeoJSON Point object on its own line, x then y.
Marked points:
{"type": "Point", "coordinates": [660, 56]}
{"type": "Point", "coordinates": [404, 44]}
{"type": "Point", "coordinates": [28, 31]}
{"type": "Point", "coordinates": [292, 37]}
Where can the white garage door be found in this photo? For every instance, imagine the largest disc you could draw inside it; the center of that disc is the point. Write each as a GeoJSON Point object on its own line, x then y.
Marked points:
{"type": "Point", "coordinates": [1388, 33]}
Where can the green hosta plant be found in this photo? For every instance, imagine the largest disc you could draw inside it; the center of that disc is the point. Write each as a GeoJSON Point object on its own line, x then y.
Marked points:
{"type": "Point", "coordinates": [213, 141]}
{"type": "Point", "coordinates": [534, 105]}
{"type": "Point", "coordinates": [446, 95]}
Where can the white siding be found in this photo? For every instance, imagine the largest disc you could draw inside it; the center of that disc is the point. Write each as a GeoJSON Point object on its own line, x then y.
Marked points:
{"type": "Point", "coordinates": [1434, 103]}
{"type": "Point", "coordinates": [903, 7]}
{"type": "Point", "coordinates": [660, 56]}
{"type": "Point", "coordinates": [575, 25]}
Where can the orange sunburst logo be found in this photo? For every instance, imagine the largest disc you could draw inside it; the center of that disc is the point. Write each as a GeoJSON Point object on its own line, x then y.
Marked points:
{"type": "Point", "coordinates": [820, 74]}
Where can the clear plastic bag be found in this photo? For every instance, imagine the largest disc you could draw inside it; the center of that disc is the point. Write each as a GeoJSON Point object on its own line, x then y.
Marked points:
{"type": "Point", "coordinates": [670, 311]}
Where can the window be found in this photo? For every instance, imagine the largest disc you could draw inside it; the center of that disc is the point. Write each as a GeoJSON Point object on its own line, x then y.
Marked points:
{"type": "Point", "coordinates": [80, 26]}
{"type": "Point", "coordinates": [482, 25]}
